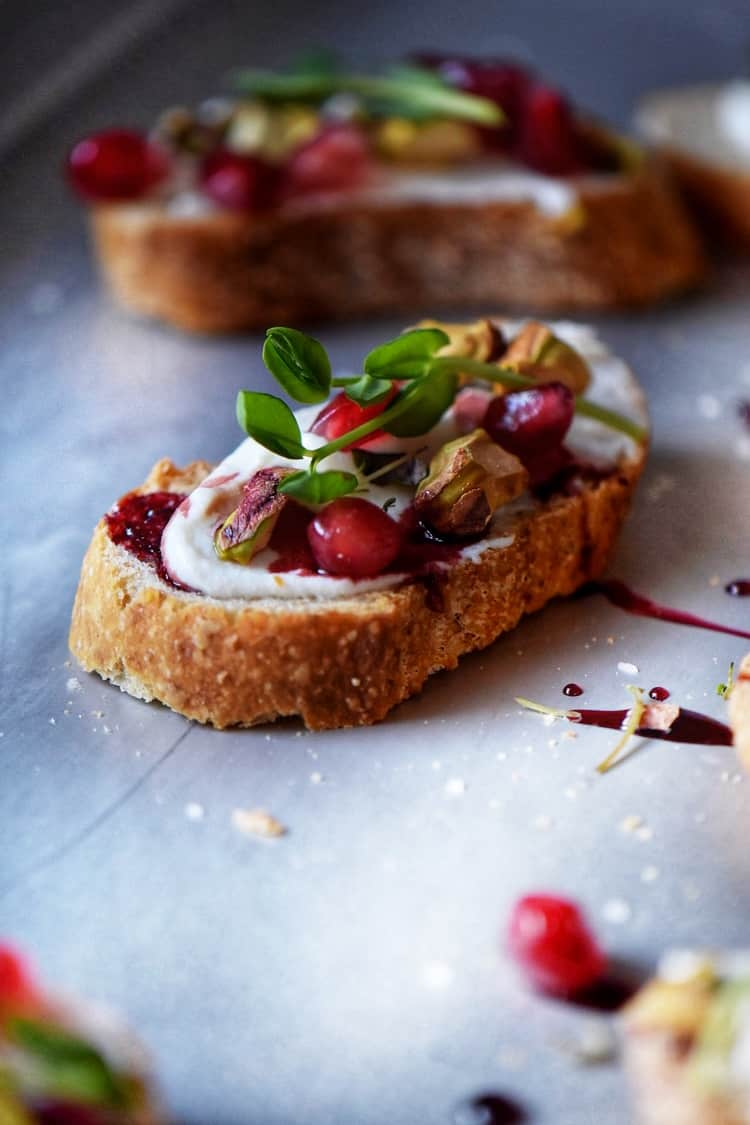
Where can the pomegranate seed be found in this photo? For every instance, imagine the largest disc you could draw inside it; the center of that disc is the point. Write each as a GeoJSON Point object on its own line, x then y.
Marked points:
{"type": "Point", "coordinates": [116, 164]}
{"type": "Point", "coordinates": [351, 536]}
{"type": "Point", "coordinates": [501, 82]}
{"type": "Point", "coordinates": [336, 159]}
{"type": "Point", "coordinates": [532, 422]}
{"type": "Point", "coordinates": [547, 137]}
{"type": "Point", "coordinates": [469, 408]}
{"type": "Point", "coordinates": [341, 415]}
{"type": "Point", "coordinates": [549, 938]}
{"type": "Point", "coordinates": [240, 183]}
{"type": "Point", "coordinates": [16, 988]}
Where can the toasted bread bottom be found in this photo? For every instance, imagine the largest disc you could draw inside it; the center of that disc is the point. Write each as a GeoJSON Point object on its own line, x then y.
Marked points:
{"type": "Point", "coordinates": [630, 242]}
{"type": "Point", "coordinates": [719, 196]}
{"type": "Point", "coordinates": [334, 663]}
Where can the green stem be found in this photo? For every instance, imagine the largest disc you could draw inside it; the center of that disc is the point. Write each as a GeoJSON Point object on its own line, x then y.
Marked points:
{"type": "Point", "coordinates": [512, 379]}
{"type": "Point", "coordinates": [399, 407]}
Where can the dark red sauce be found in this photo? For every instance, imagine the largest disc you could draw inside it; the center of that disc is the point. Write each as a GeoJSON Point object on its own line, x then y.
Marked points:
{"type": "Point", "coordinates": [622, 596]}
{"type": "Point", "coordinates": [689, 726]}
{"type": "Point", "coordinates": [572, 690]}
{"type": "Point", "coordinates": [608, 994]}
{"type": "Point", "coordinates": [743, 409]}
{"type": "Point", "coordinates": [489, 1109]}
{"type": "Point", "coordinates": [137, 523]}
{"type": "Point", "coordinates": [659, 694]}
{"type": "Point", "coordinates": [740, 588]}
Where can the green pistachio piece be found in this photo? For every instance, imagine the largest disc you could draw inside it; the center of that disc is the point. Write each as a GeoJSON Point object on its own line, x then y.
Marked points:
{"type": "Point", "coordinates": [469, 479]}
{"type": "Point", "coordinates": [539, 354]}
{"type": "Point", "coordinates": [728, 1011]}
{"type": "Point", "coordinates": [248, 529]}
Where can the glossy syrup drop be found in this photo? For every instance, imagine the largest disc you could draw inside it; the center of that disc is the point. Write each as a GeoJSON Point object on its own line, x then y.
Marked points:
{"type": "Point", "coordinates": [739, 588]}
{"type": "Point", "coordinates": [659, 694]}
{"type": "Point", "coordinates": [572, 690]}
{"type": "Point", "coordinates": [489, 1109]}
{"type": "Point", "coordinates": [689, 726]}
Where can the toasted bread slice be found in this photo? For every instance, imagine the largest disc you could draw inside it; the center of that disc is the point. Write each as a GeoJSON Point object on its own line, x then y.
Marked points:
{"type": "Point", "coordinates": [685, 125]}
{"type": "Point", "coordinates": [625, 241]}
{"type": "Point", "coordinates": [336, 663]}
{"type": "Point", "coordinates": [739, 712]}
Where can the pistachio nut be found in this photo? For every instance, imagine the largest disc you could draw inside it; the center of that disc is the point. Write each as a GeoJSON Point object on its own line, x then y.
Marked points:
{"type": "Point", "coordinates": [538, 353]}
{"type": "Point", "coordinates": [248, 529]}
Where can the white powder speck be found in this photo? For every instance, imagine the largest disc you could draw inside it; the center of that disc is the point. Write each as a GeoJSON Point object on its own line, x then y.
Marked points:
{"type": "Point", "coordinates": [52, 721]}
{"type": "Point", "coordinates": [73, 684]}
{"type": "Point", "coordinates": [649, 874]}
{"type": "Point", "coordinates": [543, 822]}
{"type": "Point", "coordinates": [617, 911]}
{"type": "Point", "coordinates": [437, 765]}
{"type": "Point", "coordinates": [355, 681]}
{"type": "Point", "coordinates": [316, 778]}
{"type": "Point", "coordinates": [644, 834]}
{"type": "Point", "coordinates": [437, 975]}
{"type": "Point", "coordinates": [627, 668]}
{"type": "Point", "coordinates": [194, 811]}
{"type": "Point", "coordinates": [454, 787]}
{"type": "Point", "coordinates": [709, 406]}
{"type": "Point", "coordinates": [630, 823]}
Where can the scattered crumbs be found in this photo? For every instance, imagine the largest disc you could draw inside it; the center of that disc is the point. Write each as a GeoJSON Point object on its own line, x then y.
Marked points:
{"type": "Point", "coordinates": [194, 811]}
{"type": "Point", "coordinates": [267, 737]}
{"type": "Point", "coordinates": [570, 734]}
{"type": "Point", "coordinates": [644, 833]}
{"type": "Point", "coordinates": [501, 756]}
{"type": "Point", "coordinates": [617, 911]}
{"type": "Point", "coordinates": [257, 822]}
{"type": "Point", "coordinates": [355, 681]}
{"type": "Point", "coordinates": [542, 822]}
{"type": "Point", "coordinates": [437, 974]}
{"type": "Point", "coordinates": [66, 710]}
{"type": "Point", "coordinates": [454, 787]}
{"type": "Point", "coordinates": [571, 793]}
{"type": "Point", "coordinates": [596, 1044]}
{"type": "Point", "coordinates": [714, 580]}
{"type": "Point", "coordinates": [51, 721]}
{"type": "Point", "coordinates": [106, 729]}
{"type": "Point", "coordinates": [552, 743]}
{"type": "Point", "coordinates": [709, 406]}
{"type": "Point", "coordinates": [97, 714]}
{"type": "Point", "coordinates": [316, 778]}
{"type": "Point", "coordinates": [630, 823]}
{"type": "Point", "coordinates": [649, 874]}
{"type": "Point", "coordinates": [73, 684]}
{"type": "Point", "coordinates": [298, 734]}
{"type": "Point", "coordinates": [436, 765]}
{"type": "Point", "coordinates": [627, 668]}
{"type": "Point", "coordinates": [548, 720]}
{"type": "Point", "coordinates": [724, 775]}
{"type": "Point", "coordinates": [610, 640]}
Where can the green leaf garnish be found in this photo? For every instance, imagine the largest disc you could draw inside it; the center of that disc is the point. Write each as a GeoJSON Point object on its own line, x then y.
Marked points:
{"type": "Point", "coordinates": [407, 356]}
{"type": "Point", "coordinates": [299, 362]}
{"type": "Point", "coordinates": [403, 92]}
{"type": "Point", "coordinates": [367, 390]}
{"type": "Point", "coordinates": [724, 690]}
{"type": "Point", "coordinates": [270, 422]}
{"type": "Point", "coordinates": [318, 488]}
{"type": "Point", "coordinates": [70, 1068]}
{"type": "Point", "coordinates": [428, 400]}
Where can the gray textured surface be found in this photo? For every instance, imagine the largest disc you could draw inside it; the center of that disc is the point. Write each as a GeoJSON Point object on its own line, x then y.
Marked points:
{"type": "Point", "coordinates": [351, 972]}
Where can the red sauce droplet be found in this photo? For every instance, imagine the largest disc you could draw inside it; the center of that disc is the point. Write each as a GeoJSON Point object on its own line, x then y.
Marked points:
{"type": "Point", "coordinates": [550, 939]}
{"type": "Point", "coordinates": [740, 588]}
{"type": "Point", "coordinates": [489, 1109]}
{"type": "Point", "coordinates": [623, 597]}
{"type": "Point", "coordinates": [658, 693]}
{"type": "Point", "coordinates": [572, 690]}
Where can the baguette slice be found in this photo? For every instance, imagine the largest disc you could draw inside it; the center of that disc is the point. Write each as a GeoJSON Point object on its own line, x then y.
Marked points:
{"type": "Point", "coordinates": [627, 242]}
{"type": "Point", "coordinates": [336, 663]}
{"type": "Point", "coordinates": [683, 124]}
{"type": "Point", "coordinates": [739, 712]}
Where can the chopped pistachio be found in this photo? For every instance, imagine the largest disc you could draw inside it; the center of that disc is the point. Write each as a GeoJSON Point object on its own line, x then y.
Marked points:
{"type": "Point", "coordinates": [539, 354]}
{"type": "Point", "coordinates": [469, 479]}
{"type": "Point", "coordinates": [426, 142]}
{"type": "Point", "coordinates": [273, 131]}
{"type": "Point", "coordinates": [479, 339]}
{"type": "Point", "coordinates": [726, 1015]}
{"type": "Point", "coordinates": [248, 529]}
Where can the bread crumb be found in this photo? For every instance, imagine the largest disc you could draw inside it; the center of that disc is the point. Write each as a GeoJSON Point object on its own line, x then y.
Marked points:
{"type": "Point", "coordinates": [194, 811]}
{"type": "Point", "coordinates": [257, 822]}
{"type": "Point", "coordinates": [627, 668]}
{"type": "Point", "coordinates": [454, 787]}
{"type": "Point", "coordinates": [437, 974]}
{"type": "Point", "coordinates": [316, 778]}
{"type": "Point", "coordinates": [617, 911]}
{"type": "Point", "coordinates": [73, 684]}
{"type": "Point", "coordinates": [649, 874]}
{"type": "Point", "coordinates": [630, 823]}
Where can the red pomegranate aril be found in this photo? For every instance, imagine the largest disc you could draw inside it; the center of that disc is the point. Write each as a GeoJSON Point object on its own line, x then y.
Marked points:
{"type": "Point", "coordinates": [116, 165]}
{"type": "Point", "coordinates": [17, 992]}
{"type": "Point", "coordinates": [547, 136]}
{"type": "Point", "coordinates": [240, 183]}
{"type": "Point", "coordinates": [501, 82]}
{"type": "Point", "coordinates": [336, 159]}
{"type": "Point", "coordinates": [549, 938]}
{"type": "Point", "coordinates": [353, 537]}
{"type": "Point", "coordinates": [341, 415]}
{"type": "Point", "coordinates": [531, 422]}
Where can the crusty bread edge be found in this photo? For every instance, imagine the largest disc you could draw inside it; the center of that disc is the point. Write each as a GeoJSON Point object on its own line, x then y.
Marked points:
{"type": "Point", "coordinates": [629, 242]}
{"type": "Point", "coordinates": [719, 196]}
{"type": "Point", "coordinates": [335, 664]}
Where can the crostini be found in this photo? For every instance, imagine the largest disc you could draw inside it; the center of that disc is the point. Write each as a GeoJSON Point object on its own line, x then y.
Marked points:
{"type": "Point", "coordinates": [317, 194]}
{"type": "Point", "coordinates": [343, 554]}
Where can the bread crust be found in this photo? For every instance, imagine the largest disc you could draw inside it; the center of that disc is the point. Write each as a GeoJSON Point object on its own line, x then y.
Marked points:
{"type": "Point", "coordinates": [719, 196]}
{"type": "Point", "coordinates": [631, 242]}
{"type": "Point", "coordinates": [739, 712]}
{"type": "Point", "coordinates": [334, 664]}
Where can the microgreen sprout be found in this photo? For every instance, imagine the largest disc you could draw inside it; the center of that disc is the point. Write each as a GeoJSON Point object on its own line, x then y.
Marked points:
{"type": "Point", "coordinates": [630, 727]}
{"type": "Point", "coordinates": [425, 384]}
{"type": "Point", "coordinates": [724, 690]}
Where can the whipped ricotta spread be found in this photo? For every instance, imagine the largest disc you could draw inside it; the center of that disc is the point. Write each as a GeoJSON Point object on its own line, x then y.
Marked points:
{"type": "Point", "coordinates": [710, 122]}
{"type": "Point", "coordinates": [485, 182]}
{"type": "Point", "coordinates": [187, 543]}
